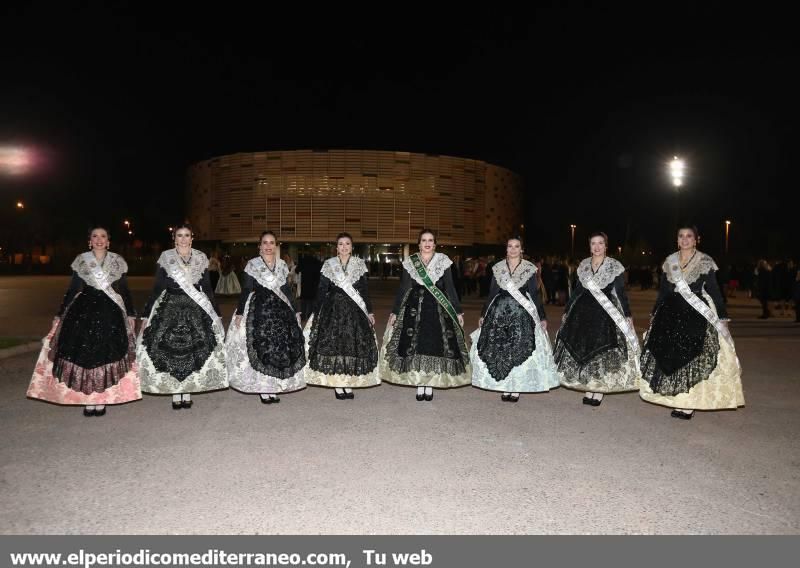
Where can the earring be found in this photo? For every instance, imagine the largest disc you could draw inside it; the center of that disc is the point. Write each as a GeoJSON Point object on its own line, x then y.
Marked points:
{"type": "Point", "coordinates": [90, 246]}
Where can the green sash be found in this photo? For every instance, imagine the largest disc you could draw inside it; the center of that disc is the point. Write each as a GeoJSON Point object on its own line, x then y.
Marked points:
{"type": "Point", "coordinates": [437, 293]}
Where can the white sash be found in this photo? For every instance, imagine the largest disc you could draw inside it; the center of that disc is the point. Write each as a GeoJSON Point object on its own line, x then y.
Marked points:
{"type": "Point", "coordinates": [619, 319]}
{"type": "Point", "coordinates": [101, 282]}
{"type": "Point", "coordinates": [96, 277]}
{"type": "Point", "coordinates": [340, 279]}
{"type": "Point", "coordinates": [700, 306]}
{"type": "Point", "coordinates": [529, 307]}
{"type": "Point", "coordinates": [269, 281]}
{"type": "Point", "coordinates": [178, 275]}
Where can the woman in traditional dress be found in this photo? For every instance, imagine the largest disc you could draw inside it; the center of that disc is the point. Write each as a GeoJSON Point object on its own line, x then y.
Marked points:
{"type": "Point", "coordinates": [597, 350]}
{"type": "Point", "coordinates": [228, 284]}
{"type": "Point", "coordinates": [510, 350]}
{"type": "Point", "coordinates": [265, 351]}
{"type": "Point", "coordinates": [88, 358]}
{"type": "Point", "coordinates": [181, 346]}
{"type": "Point", "coordinates": [424, 344]}
{"type": "Point", "coordinates": [689, 360]}
{"type": "Point", "coordinates": [342, 347]}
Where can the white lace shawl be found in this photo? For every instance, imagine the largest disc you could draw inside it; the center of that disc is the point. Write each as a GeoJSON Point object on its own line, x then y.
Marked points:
{"type": "Point", "coordinates": [198, 264]}
{"type": "Point", "coordinates": [114, 266]}
{"type": "Point", "coordinates": [435, 269]}
{"type": "Point", "coordinates": [521, 275]}
{"type": "Point", "coordinates": [701, 264]}
{"type": "Point", "coordinates": [605, 275]}
{"type": "Point", "coordinates": [356, 267]}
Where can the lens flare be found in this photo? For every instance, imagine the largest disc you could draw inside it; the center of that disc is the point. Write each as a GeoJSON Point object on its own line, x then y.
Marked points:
{"type": "Point", "coordinates": [15, 161]}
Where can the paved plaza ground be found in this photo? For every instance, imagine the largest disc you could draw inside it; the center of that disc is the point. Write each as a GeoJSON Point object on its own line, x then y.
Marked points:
{"type": "Point", "coordinates": [465, 463]}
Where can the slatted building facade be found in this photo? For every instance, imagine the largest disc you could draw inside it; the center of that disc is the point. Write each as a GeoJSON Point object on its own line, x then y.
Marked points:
{"type": "Point", "coordinates": [377, 196]}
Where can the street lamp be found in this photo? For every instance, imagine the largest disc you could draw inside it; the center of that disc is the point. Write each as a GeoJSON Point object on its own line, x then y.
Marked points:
{"type": "Point", "coordinates": [727, 231]}
{"type": "Point", "coordinates": [572, 246]}
{"type": "Point", "coordinates": [20, 205]}
{"type": "Point", "coordinates": [676, 170]}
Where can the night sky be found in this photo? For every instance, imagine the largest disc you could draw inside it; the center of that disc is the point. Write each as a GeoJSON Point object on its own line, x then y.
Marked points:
{"type": "Point", "coordinates": [587, 105]}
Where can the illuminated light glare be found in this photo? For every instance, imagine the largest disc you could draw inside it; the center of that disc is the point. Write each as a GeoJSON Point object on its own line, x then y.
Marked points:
{"type": "Point", "coordinates": [15, 160]}
{"type": "Point", "coordinates": [20, 205]}
{"type": "Point", "coordinates": [676, 168]}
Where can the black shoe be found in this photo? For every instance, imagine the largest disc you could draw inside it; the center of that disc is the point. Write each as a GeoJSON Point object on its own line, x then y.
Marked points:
{"type": "Point", "coordinates": [587, 400]}
{"type": "Point", "coordinates": [429, 397]}
{"type": "Point", "coordinates": [177, 405]}
{"type": "Point", "coordinates": [420, 397]}
{"type": "Point", "coordinates": [267, 400]}
{"type": "Point", "coordinates": [341, 396]}
{"type": "Point", "coordinates": [595, 401]}
{"type": "Point", "coordinates": [87, 412]}
{"type": "Point", "coordinates": [349, 395]}
{"type": "Point", "coordinates": [274, 399]}
{"type": "Point", "coordinates": [681, 415]}
{"type": "Point", "coordinates": [186, 403]}
{"type": "Point", "coordinates": [505, 397]}
{"type": "Point", "coordinates": [100, 412]}
{"type": "Point", "coordinates": [512, 398]}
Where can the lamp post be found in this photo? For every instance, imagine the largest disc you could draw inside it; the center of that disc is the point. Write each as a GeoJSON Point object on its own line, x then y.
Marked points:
{"type": "Point", "coordinates": [727, 232]}
{"type": "Point", "coordinates": [572, 245]}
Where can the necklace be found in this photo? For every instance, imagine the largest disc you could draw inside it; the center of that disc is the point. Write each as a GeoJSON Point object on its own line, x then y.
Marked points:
{"type": "Point", "coordinates": [345, 265]}
{"type": "Point", "coordinates": [274, 265]}
{"type": "Point", "coordinates": [185, 261]}
{"type": "Point", "coordinates": [102, 262]}
{"type": "Point", "coordinates": [594, 271]}
{"type": "Point", "coordinates": [683, 267]}
{"type": "Point", "coordinates": [511, 272]}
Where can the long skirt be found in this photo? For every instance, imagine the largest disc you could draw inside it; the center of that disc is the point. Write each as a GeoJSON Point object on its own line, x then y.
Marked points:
{"type": "Point", "coordinates": [88, 357]}
{"type": "Point", "coordinates": [510, 353]}
{"type": "Point", "coordinates": [342, 347]}
{"type": "Point", "coordinates": [181, 350]}
{"type": "Point", "coordinates": [424, 347]}
{"type": "Point", "coordinates": [686, 363]}
{"type": "Point", "coordinates": [265, 352]}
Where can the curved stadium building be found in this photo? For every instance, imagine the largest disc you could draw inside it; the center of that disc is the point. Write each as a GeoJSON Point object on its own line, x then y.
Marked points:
{"type": "Point", "coordinates": [381, 198]}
